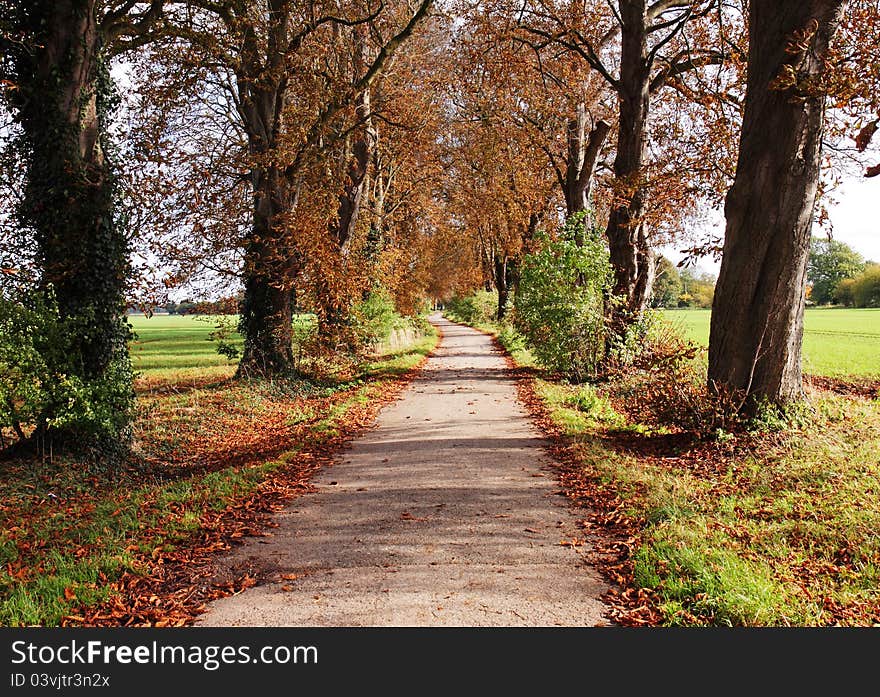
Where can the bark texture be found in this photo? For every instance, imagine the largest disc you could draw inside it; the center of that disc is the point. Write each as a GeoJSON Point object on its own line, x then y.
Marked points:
{"type": "Point", "coordinates": [757, 315]}
{"type": "Point", "coordinates": [583, 156]}
{"type": "Point", "coordinates": [270, 265]}
{"type": "Point", "coordinates": [631, 256]}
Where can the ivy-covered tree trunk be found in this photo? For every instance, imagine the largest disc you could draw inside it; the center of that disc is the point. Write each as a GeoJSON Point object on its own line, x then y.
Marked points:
{"type": "Point", "coordinates": [266, 321]}
{"type": "Point", "coordinates": [758, 311]}
{"type": "Point", "coordinates": [62, 101]}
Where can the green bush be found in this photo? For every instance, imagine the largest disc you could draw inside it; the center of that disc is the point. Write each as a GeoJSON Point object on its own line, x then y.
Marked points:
{"type": "Point", "coordinates": [559, 305]}
{"type": "Point", "coordinates": [41, 388]}
{"type": "Point", "coordinates": [374, 318]}
{"type": "Point", "coordinates": [480, 307]}
{"type": "Point", "coordinates": [866, 287]}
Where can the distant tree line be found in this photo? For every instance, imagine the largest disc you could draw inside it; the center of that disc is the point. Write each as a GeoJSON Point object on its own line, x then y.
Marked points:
{"type": "Point", "coordinates": [682, 288]}
{"type": "Point", "coordinates": [838, 275]}
{"type": "Point", "coordinates": [223, 306]}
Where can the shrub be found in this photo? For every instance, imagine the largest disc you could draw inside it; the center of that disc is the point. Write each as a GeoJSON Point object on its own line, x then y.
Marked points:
{"type": "Point", "coordinates": [559, 305]}
{"type": "Point", "coordinates": [844, 294]}
{"type": "Point", "coordinates": [374, 318]}
{"type": "Point", "coordinates": [664, 385]}
{"type": "Point", "coordinates": [478, 308]}
{"type": "Point", "coordinates": [40, 387]}
{"type": "Point", "coordinates": [866, 287]}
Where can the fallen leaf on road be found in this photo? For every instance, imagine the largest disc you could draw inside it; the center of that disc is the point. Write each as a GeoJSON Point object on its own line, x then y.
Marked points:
{"type": "Point", "coordinates": [406, 515]}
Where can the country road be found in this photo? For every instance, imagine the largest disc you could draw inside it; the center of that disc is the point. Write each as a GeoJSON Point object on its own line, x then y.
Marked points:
{"type": "Point", "coordinates": [444, 514]}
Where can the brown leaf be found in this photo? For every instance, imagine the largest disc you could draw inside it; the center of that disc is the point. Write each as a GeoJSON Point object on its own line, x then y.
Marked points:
{"type": "Point", "coordinates": [863, 139]}
{"type": "Point", "coordinates": [69, 594]}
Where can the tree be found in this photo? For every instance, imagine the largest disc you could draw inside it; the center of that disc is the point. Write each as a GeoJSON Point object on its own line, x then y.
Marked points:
{"type": "Point", "coordinates": [652, 51]}
{"type": "Point", "coordinates": [56, 55]}
{"type": "Point", "coordinates": [667, 286]}
{"type": "Point", "coordinates": [864, 289]}
{"type": "Point", "coordinates": [698, 289]}
{"type": "Point", "coordinates": [757, 318]}
{"type": "Point", "coordinates": [498, 185]}
{"type": "Point", "coordinates": [286, 76]}
{"type": "Point", "coordinates": [830, 262]}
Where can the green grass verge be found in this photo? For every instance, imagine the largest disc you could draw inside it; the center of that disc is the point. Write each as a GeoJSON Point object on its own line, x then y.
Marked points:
{"type": "Point", "coordinates": [783, 533]}
{"type": "Point", "coordinates": [67, 534]}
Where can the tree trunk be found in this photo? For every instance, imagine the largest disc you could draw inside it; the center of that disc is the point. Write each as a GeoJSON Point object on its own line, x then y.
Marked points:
{"type": "Point", "coordinates": [631, 256]}
{"type": "Point", "coordinates": [267, 307]}
{"type": "Point", "coordinates": [501, 284]}
{"type": "Point", "coordinates": [357, 154]}
{"type": "Point", "coordinates": [62, 103]}
{"type": "Point", "coordinates": [757, 314]}
{"type": "Point", "coordinates": [332, 310]}
{"type": "Point", "coordinates": [581, 161]}
{"type": "Point", "coordinates": [271, 263]}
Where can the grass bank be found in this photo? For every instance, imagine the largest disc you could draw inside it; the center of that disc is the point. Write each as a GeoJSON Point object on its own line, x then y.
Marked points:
{"type": "Point", "coordinates": [213, 457]}
{"type": "Point", "coordinates": [777, 527]}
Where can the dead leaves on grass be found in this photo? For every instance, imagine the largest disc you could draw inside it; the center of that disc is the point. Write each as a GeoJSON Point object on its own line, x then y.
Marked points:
{"type": "Point", "coordinates": [175, 586]}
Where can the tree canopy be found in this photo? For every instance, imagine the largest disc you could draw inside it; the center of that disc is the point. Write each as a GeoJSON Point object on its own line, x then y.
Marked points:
{"type": "Point", "coordinates": [306, 154]}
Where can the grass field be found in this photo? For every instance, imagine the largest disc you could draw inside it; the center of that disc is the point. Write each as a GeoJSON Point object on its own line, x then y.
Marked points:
{"type": "Point", "coordinates": [176, 342]}
{"type": "Point", "coordinates": [837, 342]}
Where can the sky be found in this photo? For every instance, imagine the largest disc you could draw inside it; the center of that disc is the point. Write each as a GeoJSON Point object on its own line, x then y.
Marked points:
{"type": "Point", "coordinates": [855, 220]}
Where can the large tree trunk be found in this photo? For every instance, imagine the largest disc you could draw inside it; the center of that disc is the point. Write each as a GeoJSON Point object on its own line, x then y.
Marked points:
{"type": "Point", "coordinates": [267, 307]}
{"type": "Point", "coordinates": [270, 264]}
{"type": "Point", "coordinates": [631, 256]}
{"type": "Point", "coordinates": [62, 103]}
{"type": "Point", "coordinates": [757, 314]}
